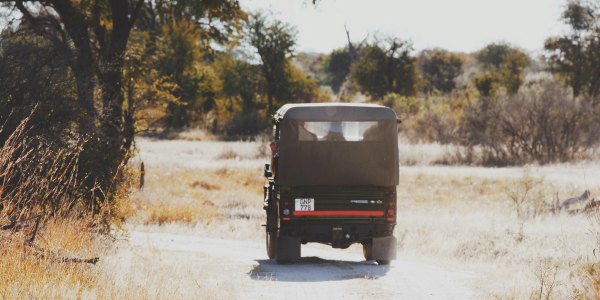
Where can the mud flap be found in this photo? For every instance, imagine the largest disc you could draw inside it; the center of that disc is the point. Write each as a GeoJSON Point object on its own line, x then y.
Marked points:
{"type": "Point", "coordinates": [384, 248]}
{"type": "Point", "coordinates": [288, 249]}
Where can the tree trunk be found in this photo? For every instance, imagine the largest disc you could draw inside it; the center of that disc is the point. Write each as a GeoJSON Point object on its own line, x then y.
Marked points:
{"type": "Point", "coordinates": [112, 101]}
{"type": "Point", "coordinates": [84, 78]}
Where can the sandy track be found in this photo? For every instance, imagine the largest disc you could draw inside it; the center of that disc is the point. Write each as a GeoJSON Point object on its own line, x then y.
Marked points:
{"type": "Point", "coordinates": [322, 273]}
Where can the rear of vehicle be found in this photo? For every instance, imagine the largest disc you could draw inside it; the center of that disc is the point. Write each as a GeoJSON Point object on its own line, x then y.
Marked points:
{"type": "Point", "coordinates": [337, 172]}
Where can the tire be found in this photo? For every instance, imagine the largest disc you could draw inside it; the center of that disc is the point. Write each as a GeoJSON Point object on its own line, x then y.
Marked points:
{"type": "Point", "coordinates": [382, 262]}
{"type": "Point", "coordinates": [271, 244]}
{"type": "Point", "coordinates": [368, 251]}
{"type": "Point", "coordinates": [288, 249]}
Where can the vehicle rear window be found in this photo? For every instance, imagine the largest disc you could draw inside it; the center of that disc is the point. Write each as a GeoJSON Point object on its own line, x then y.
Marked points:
{"type": "Point", "coordinates": [340, 131]}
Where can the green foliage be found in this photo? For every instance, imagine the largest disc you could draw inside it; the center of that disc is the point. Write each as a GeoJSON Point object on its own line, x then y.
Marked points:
{"type": "Point", "coordinates": [404, 106]}
{"type": "Point", "coordinates": [217, 20]}
{"type": "Point", "coordinates": [507, 63]}
{"type": "Point", "coordinates": [181, 61]}
{"type": "Point", "coordinates": [492, 55]}
{"type": "Point", "coordinates": [32, 73]}
{"type": "Point", "coordinates": [511, 70]}
{"type": "Point", "coordinates": [435, 118]}
{"type": "Point", "coordinates": [580, 15]}
{"type": "Point", "coordinates": [576, 55]}
{"type": "Point", "coordinates": [439, 68]}
{"type": "Point", "coordinates": [237, 112]}
{"type": "Point", "coordinates": [302, 88]}
{"type": "Point", "coordinates": [147, 92]}
{"type": "Point", "coordinates": [241, 80]}
{"type": "Point", "coordinates": [487, 83]}
{"type": "Point", "coordinates": [384, 68]}
{"type": "Point", "coordinates": [337, 67]}
{"type": "Point", "coordinates": [92, 42]}
{"type": "Point", "coordinates": [242, 111]}
{"type": "Point", "coordinates": [274, 43]}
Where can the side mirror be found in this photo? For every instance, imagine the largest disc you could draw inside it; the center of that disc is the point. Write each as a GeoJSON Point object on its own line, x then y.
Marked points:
{"type": "Point", "coordinates": [268, 172]}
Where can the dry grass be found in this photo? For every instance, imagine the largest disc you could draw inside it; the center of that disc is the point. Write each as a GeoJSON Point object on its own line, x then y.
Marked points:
{"type": "Point", "coordinates": [28, 273]}
{"type": "Point", "coordinates": [49, 239]}
{"type": "Point", "coordinates": [459, 216]}
{"type": "Point", "coordinates": [199, 197]}
{"type": "Point", "coordinates": [472, 221]}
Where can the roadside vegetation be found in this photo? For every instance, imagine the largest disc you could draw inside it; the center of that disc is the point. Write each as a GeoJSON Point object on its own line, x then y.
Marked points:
{"type": "Point", "coordinates": [80, 80]}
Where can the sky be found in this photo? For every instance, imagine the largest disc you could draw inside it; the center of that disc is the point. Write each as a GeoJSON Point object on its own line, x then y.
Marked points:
{"type": "Point", "coordinates": [457, 25]}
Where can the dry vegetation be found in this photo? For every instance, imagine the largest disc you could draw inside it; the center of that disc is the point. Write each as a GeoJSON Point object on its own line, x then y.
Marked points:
{"type": "Point", "coordinates": [52, 228]}
{"type": "Point", "coordinates": [520, 249]}
{"type": "Point", "coordinates": [225, 201]}
{"type": "Point", "coordinates": [501, 226]}
{"type": "Point", "coordinates": [28, 272]}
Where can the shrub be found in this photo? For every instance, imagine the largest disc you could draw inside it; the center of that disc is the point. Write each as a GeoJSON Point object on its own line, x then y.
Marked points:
{"type": "Point", "coordinates": [243, 124]}
{"type": "Point", "coordinates": [41, 181]}
{"type": "Point", "coordinates": [433, 119]}
{"type": "Point", "coordinates": [543, 124]}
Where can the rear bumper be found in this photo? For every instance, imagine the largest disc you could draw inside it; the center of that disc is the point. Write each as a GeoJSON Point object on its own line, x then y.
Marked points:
{"type": "Point", "coordinates": [340, 213]}
{"type": "Point", "coordinates": [339, 232]}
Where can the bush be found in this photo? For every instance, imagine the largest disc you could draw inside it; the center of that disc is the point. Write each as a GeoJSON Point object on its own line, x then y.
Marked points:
{"type": "Point", "coordinates": [433, 119]}
{"type": "Point", "coordinates": [233, 121]}
{"type": "Point", "coordinates": [542, 124]}
{"type": "Point", "coordinates": [40, 181]}
{"type": "Point", "coordinates": [404, 106]}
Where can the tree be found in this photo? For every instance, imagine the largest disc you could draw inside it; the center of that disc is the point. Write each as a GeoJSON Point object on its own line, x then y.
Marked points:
{"type": "Point", "coordinates": [439, 68]}
{"type": "Point", "coordinates": [576, 55]}
{"type": "Point", "coordinates": [386, 67]}
{"type": "Point", "coordinates": [337, 67]}
{"type": "Point", "coordinates": [507, 62]}
{"type": "Point", "coordinates": [181, 61]}
{"type": "Point", "coordinates": [241, 80]}
{"type": "Point", "coordinates": [93, 38]}
{"type": "Point", "coordinates": [33, 74]}
{"type": "Point", "coordinates": [338, 63]}
{"type": "Point", "coordinates": [302, 88]}
{"type": "Point", "coordinates": [237, 112]}
{"type": "Point", "coordinates": [274, 43]}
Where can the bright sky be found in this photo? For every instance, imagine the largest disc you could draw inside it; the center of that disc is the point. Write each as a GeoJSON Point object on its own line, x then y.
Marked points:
{"type": "Point", "coordinates": [458, 25]}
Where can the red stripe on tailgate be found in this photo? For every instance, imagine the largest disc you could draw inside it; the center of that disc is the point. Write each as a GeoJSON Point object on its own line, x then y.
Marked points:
{"type": "Point", "coordinates": [361, 213]}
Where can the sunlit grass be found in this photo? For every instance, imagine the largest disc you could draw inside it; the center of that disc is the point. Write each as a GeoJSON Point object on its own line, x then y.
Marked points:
{"type": "Point", "coordinates": [38, 272]}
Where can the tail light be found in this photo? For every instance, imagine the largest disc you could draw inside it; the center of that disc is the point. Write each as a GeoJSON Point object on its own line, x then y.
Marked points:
{"type": "Point", "coordinates": [391, 206]}
{"type": "Point", "coordinates": [285, 210]}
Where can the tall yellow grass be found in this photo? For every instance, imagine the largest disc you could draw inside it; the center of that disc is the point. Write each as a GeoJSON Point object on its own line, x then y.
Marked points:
{"type": "Point", "coordinates": [199, 197]}
{"type": "Point", "coordinates": [37, 272]}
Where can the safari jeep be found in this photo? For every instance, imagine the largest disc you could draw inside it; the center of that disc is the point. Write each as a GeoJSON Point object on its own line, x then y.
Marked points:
{"type": "Point", "coordinates": [332, 180]}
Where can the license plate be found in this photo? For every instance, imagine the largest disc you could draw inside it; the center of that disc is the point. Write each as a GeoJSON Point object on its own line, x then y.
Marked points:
{"type": "Point", "coordinates": [305, 204]}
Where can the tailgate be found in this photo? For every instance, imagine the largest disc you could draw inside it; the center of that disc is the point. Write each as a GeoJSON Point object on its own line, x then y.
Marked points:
{"type": "Point", "coordinates": [342, 202]}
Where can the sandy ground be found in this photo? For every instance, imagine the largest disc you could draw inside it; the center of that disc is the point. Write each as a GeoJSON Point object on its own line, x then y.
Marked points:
{"type": "Point", "coordinates": [240, 269]}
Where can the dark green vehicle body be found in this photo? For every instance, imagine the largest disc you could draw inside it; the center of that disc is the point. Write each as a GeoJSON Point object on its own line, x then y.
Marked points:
{"type": "Point", "coordinates": [336, 172]}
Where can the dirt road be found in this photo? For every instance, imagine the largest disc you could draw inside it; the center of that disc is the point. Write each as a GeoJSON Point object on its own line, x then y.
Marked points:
{"type": "Point", "coordinates": [240, 269]}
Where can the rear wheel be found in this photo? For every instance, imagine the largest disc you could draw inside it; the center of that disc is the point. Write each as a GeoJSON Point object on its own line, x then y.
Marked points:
{"type": "Point", "coordinates": [288, 249]}
{"type": "Point", "coordinates": [368, 251]}
{"type": "Point", "coordinates": [271, 244]}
